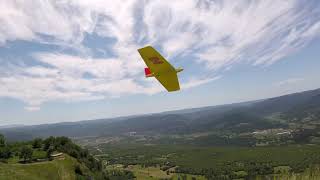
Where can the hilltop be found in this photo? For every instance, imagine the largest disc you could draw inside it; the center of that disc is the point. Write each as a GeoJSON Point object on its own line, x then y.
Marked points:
{"type": "Point", "coordinates": [55, 169]}
{"type": "Point", "coordinates": [51, 158]}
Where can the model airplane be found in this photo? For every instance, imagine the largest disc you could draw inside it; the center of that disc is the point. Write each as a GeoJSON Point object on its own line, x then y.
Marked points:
{"type": "Point", "coordinates": [160, 68]}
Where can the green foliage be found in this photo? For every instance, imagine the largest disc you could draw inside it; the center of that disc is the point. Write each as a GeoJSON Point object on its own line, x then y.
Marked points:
{"type": "Point", "coordinates": [77, 170]}
{"type": "Point", "coordinates": [49, 151]}
{"type": "Point", "coordinates": [303, 136]}
{"type": "Point", "coordinates": [64, 144]}
{"type": "Point", "coordinates": [2, 141]}
{"type": "Point", "coordinates": [5, 152]}
{"type": "Point", "coordinates": [118, 175]}
{"type": "Point", "coordinates": [37, 143]}
{"type": "Point", "coordinates": [39, 154]}
{"type": "Point", "coordinates": [49, 142]}
{"type": "Point", "coordinates": [214, 162]}
{"type": "Point", "coordinates": [85, 168]}
{"type": "Point", "coordinates": [26, 153]}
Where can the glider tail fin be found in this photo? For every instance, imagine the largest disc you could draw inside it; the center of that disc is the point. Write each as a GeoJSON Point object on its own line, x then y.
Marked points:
{"type": "Point", "coordinates": [148, 72]}
{"type": "Point", "coordinates": [179, 70]}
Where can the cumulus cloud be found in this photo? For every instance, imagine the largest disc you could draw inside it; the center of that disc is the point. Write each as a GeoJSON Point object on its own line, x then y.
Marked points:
{"type": "Point", "coordinates": [207, 36]}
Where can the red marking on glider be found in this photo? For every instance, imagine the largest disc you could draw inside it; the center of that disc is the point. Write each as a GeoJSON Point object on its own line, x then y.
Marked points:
{"type": "Point", "coordinates": [155, 60]}
{"type": "Point", "coordinates": [147, 71]}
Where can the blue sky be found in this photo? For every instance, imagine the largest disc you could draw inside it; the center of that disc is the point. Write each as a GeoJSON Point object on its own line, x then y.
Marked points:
{"type": "Point", "coordinates": [72, 60]}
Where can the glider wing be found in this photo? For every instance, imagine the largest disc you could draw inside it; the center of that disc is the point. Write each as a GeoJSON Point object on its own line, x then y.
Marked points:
{"type": "Point", "coordinates": [169, 81]}
{"type": "Point", "coordinates": [155, 62]}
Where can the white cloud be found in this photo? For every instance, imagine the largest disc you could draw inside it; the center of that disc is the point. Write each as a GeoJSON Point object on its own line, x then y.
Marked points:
{"type": "Point", "coordinates": [36, 90]}
{"type": "Point", "coordinates": [26, 20]}
{"type": "Point", "coordinates": [217, 34]}
{"type": "Point", "coordinates": [64, 80]}
{"type": "Point", "coordinates": [288, 82]}
{"type": "Point", "coordinates": [32, 108]}
{"type": "Point", "coordinates": [197, 82]}
{"type": "Point", "coordinates": [76, 66]}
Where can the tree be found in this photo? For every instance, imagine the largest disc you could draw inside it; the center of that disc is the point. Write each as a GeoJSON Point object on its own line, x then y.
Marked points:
{"type": "Point", "coordinates": [184, 177]}
{"type": "Point", "coordinates": [37, 143]}
{"type": "Point", "coordinates": [78, 170]}
{"type": "Point", "coordinates": [49, 152]}
{"type": "Point", "coordinates": [48, 142]}
{"type": "Point", "coordinates": [26, 153]}
{"type": "Point", "coordinates": [5, 152]}
{"type": "Point", "coordinates": [2, 141]}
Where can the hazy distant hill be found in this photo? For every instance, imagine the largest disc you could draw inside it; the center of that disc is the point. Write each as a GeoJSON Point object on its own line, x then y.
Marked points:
{"type": "Point", "coordinates": [240, 117]}
{"type": "Point", "coordinates": [286, 102]}
{"type": "Point", "coordinates": [308, 109]}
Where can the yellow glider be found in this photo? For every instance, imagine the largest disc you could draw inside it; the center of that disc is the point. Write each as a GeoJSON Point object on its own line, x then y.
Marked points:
{"type": "Point", "coordinates": [160, 68]}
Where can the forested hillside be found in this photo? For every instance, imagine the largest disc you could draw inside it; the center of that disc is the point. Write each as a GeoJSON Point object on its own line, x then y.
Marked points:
{"type": "Point", "coordinates": [51, 158]}
{"type": "Point", "coordinates": [241, 117]}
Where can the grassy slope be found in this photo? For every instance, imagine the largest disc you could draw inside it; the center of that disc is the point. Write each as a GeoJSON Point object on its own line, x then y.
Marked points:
{"type": "Point", "coordinates": [56, 169]}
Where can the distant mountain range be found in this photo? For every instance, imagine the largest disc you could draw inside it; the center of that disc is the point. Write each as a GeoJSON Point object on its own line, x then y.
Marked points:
{"type": "Point", "coordinates": [239, 117]}
{"type": "Point", "coordinates": [11, 126]}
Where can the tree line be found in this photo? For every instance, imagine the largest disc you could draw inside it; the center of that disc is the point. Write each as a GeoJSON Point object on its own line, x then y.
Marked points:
{"type": "Point", "coordinates": [25, 152]}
